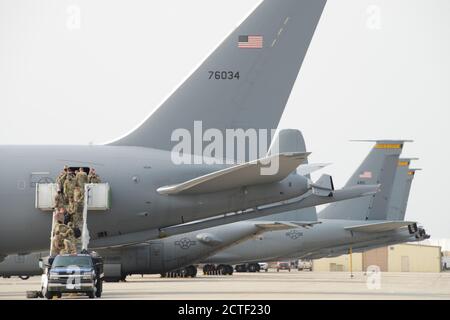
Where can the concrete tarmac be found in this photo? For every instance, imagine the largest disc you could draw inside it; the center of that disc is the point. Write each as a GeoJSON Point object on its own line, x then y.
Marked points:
{"type": "Point", "coordinates": [265, 285]}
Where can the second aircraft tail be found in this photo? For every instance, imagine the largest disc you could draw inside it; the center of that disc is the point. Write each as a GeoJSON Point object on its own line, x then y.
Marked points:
{"type": "Point", "coordinates": [379, 167]}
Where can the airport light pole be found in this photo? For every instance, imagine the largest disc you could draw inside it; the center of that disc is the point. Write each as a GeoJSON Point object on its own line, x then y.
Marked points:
{"type": "Point", "coordinates": [350, 251]}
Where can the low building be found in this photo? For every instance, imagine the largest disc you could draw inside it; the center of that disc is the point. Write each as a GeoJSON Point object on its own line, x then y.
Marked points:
{"type": "Point", "coordinates": [398, 258]}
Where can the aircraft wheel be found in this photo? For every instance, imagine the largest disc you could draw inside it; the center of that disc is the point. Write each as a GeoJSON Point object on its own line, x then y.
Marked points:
{"type": "Point", "coordinates": [229, 270]}
{"type": "Point", "coordinates": [206, 269]}
{"type": "Point", "coordinates": [222, 269]}
{"type": "Point", "coordinates": [183, 272]}
{"type": "Point", "coordinates": [192, 271]}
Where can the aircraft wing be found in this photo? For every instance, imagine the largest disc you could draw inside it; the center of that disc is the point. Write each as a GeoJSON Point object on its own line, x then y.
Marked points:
{"type": "Point", "coordinates": [246, 174]}
{"type": "Point", "coordinates": [380, 226]}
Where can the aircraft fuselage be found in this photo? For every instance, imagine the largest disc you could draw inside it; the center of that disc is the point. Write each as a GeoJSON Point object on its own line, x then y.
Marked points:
{"type": "Point", "coordinates": [134, 174]}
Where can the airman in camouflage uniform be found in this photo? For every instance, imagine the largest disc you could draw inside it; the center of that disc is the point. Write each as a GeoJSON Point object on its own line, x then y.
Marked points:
{"type": "Point", "coordinates": [69, 188]}
{"type": "Point", "coordinates": [57, 244]}
{"type": "Point", "coordinates": [71, 236]}
{"type": "Point", "coordinates": [58, 214]}
{"type": "Point", "coordinates": [71, 210]}
{"type": "Point", "coordinates": [62, 178]}
{"type": "Point", "coordinates": [76, 211]}
{"type": "Point", "coordinates": [93, 177]}
{"type": "Point", "coordinates": [59, 200]}
{"type": "Point", "coordinates": [78, 194]}
{"type": "Point", "coordinates": [68, 239]}
{"type": "Point", "coordinates": [82, 179]}
{"type": "Point", "coordinates": [61, 228]}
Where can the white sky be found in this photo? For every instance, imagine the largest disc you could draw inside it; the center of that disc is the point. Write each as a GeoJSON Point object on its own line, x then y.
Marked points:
{"type": "Point", "coordinates": [375, 69]}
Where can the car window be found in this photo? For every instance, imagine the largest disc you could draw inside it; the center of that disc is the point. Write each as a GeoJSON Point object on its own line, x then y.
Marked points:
{"type": "Point", "coordinates": [66, 261]}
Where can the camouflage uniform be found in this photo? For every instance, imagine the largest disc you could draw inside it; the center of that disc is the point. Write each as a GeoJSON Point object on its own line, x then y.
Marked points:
{"type": "Point", "coordinates": [69, 187]}
{"type": "Point", "coordinates": [78, 194]}
{"type": "Point", "coordinates": [77, 217]}
{"type": "Point", "coordinates": [93, 177]}
{"type": "Point", "coordinates": [62, 229]}
{"type": "Point", "coordinates": [82, 179]}
{"type": "Point", "coordinates": [69, 241]}
{"type": "Point", "coordinates": [71, 237]}
{"type": "Point", "coordinates": [69, 247]}
{"type": "Point", "coordinates": [59, 200]}
{"type": "Point", "coordinates": [60, 180]}
{"type": "Point", "coordinates": [58, 215]}
{"type": "Point", "coordinates": [57, 244]}
{"type": "Point", "coordinates": [72, 209]}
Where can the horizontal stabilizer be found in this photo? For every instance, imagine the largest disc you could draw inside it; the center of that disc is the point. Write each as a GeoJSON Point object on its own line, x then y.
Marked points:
{"type": "Point", "coordinates": [380, 226]}
{"type": "Point", "coordinates": [306, 169]}
{"type": "Point", "coordinates": [246, 174]}
{"type": "Point", "coordinates": [324, 186]}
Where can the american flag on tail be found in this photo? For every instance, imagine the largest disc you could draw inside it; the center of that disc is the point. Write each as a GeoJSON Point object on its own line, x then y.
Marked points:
{"type": "Point", "coordinates": [250, 42]}
{"type": "Point", "coordinates": [366, 175]}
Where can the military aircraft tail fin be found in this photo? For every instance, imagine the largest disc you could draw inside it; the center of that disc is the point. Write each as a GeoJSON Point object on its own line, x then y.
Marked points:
{"type": "Point", "coordinates": [287, 140]}
{"type": "Point", "coordinates": [292, 140]}
{"type": "Point", "coordinates": [245, 83]}
{"type": "Point", "coordinates": [379, 167]}
{"type": "Point", "coordinates": [401, 190]}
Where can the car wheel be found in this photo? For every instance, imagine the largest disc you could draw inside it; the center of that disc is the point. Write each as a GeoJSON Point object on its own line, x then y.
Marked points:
{"type": "Point", "coordinates": [91, 295]}
{"type": "Point", "coordinates": [252, 268]}
{"type": "Point", "coordinates": [48, 295]}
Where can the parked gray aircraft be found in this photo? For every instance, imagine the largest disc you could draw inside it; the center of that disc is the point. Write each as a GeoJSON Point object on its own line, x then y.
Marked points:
{"type": "Point", "coordinates": [155, 256]}
{"type": "Point", "coordinates": [244, 84]}
{"type": "Point", "coordinates": [211, 236]}
{"type": "Point", "coordinates": [358, 223]}
{"type": "Point", "coordinates": [396, 212]}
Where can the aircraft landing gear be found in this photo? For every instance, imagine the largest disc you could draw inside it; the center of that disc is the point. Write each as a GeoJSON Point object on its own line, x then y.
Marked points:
{"type": "Point", "coordinates": [221, 269]}
{"type": "Point", "coordinates": [187, 272]}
